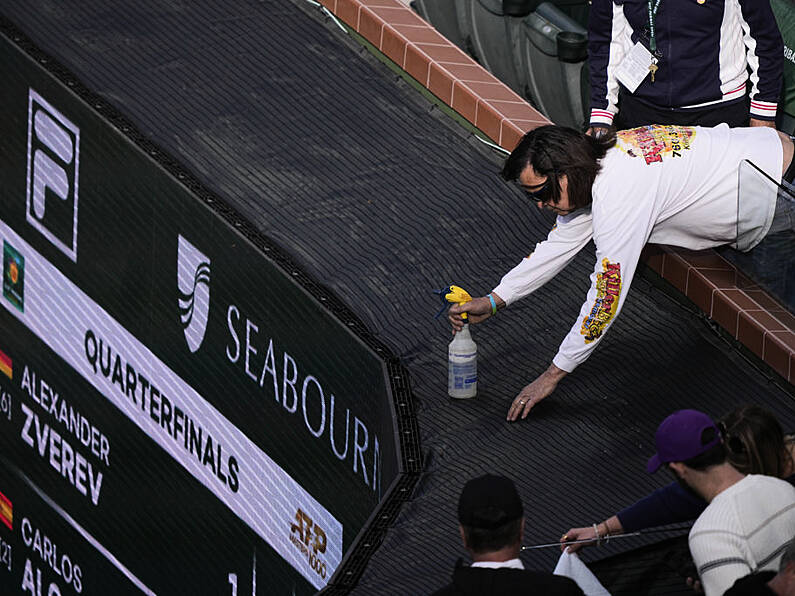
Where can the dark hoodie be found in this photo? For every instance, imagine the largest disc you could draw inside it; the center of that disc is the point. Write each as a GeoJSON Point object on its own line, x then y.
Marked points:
{"type": "Point", "coordinates": [472, 581]}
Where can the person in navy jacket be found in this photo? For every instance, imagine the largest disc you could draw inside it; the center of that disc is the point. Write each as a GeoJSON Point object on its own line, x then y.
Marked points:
{"type": "Point", "coordinates": [687, 62]}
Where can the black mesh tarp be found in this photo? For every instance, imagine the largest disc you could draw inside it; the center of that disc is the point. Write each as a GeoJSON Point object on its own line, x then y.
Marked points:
{"type": "Point", "coordinates": [381, 198]}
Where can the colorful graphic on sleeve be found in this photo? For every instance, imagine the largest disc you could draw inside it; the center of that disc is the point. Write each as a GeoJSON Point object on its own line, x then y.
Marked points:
{"type": "Point", "coordinates": [608, 289]}
{"type": "Point", "coordinates": [656, 141]}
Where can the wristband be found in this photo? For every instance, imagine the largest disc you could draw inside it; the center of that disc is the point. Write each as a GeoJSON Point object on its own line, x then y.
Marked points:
{"type": "Point", "coordinates": [493, 304]}
{"type": "Point", "coordinates": [607, 532]}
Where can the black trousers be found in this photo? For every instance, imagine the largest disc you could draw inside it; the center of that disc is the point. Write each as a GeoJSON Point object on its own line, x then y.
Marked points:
{"type": "Point", "coordinates": [633, 112]}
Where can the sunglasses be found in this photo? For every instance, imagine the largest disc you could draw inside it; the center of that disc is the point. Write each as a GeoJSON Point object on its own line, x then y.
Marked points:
{"type": "Point", "coordinates": [541, 192]}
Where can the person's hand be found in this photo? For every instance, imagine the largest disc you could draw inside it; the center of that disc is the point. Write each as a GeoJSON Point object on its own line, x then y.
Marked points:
{"type": "Point", "coordinates": [533, 393]}
{"type": "Point", "coordinates": [611, 525]}
{"type": "Point", "coordinates": [577, 534]}
{"type": "Point", "coordinates": [757, 122]}
{"type": "Point", "coordinates": [598, 131]}
{"type": "Point", "coordinates": [478, 309]}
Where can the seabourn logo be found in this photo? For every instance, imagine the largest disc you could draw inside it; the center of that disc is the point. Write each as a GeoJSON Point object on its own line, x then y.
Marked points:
{"type": "Point", "coordinates": [193, 282]}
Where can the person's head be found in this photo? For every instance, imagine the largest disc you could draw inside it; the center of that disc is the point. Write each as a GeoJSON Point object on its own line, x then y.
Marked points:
{"type": "Point", "coordinates": [788, 558]}
{"type": "Point", "coordinates": [490, 514]}
{"type": "Point", "coordinates": [690, 444]}
{"type": "Point", "coordinates": [783, 583]}
{"type": "Point", "coordinates": [557, 166]}
{"type": "Point", "coordinates": [755, 442]}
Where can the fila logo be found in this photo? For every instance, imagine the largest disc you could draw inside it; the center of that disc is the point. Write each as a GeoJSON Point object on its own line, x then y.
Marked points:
{"type": "Point", "coordinates": [53, 167]}
{"type": "Point", "coordinates": [193, 282]}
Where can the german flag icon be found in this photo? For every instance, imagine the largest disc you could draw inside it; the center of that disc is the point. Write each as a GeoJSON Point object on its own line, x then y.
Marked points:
{"type": "Point", "coordinates": [6, 511]}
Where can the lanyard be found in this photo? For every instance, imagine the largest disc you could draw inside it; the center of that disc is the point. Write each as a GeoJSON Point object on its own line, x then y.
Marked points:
{"type": "Point", "coordinates": [652, 14]}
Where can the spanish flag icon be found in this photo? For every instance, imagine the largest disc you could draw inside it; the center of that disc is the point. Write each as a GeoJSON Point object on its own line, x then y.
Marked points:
{"type": "Point", "coordinates": [6, 511]}
{"type": "Point", "coordinates": [6, 365]}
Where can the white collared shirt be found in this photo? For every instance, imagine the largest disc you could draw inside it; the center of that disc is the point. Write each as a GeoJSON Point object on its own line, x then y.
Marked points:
{"type": "Point", "coordinates": [509, 564]}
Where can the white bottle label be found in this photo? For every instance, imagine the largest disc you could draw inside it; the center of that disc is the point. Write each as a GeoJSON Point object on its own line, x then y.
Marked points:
{"type": "Point", "coordinates": [463, 372]}
{"type": "Point", "coordinates": [462, 366]}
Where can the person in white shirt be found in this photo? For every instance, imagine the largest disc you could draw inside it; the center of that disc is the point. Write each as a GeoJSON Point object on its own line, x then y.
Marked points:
{"type": "Point", "coordinates": [750, 520]}
{"type": "Point", "coordinates": [666, 184]}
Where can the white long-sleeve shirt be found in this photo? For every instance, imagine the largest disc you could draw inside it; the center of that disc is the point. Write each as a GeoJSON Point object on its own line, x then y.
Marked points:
{"type": "Point", "coordinates": [664, 184]}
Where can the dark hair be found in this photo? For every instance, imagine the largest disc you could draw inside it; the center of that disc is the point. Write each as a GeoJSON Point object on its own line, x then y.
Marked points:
{"type": "Point", "coordinates": [713, 456]}
{"type": "Point", "coordinates": [553, 151]}
{"type": "Point", "coordinates": [482, 540]}
{"type": "Point", "coordinates": [755, 441]}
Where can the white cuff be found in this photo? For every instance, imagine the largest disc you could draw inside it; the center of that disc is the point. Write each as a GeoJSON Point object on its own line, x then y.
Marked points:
{"type": "Point", "coordinates": [764, 110]}
{"type": "Point", "coordinates": [601, 117]}
{"type": "Point", "coordinates": [564, 363]}
{"type": "Point", "coordinates": [505, 293]}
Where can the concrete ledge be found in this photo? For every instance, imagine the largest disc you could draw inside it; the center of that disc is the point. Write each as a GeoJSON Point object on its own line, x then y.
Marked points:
{"type": "Point", "coordinates": [444, 69]}
{"type": "Point", "coordinates": [732, 300]}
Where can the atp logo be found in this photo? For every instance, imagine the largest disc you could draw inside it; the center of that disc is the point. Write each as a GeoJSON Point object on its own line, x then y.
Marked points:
{"type": "Point", "coordinates": [52, 178]}
{"type": "Point", "coordinates": [193, 282]}
{"type": "Point", "coordinates": [300, 535]}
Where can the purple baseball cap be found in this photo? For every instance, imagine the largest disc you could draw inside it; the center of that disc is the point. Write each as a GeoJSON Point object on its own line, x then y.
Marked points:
{"type": "Point", "coordinates": [678, 438]}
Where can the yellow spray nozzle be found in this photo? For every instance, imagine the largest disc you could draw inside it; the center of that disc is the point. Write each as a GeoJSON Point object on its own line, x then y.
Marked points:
{"type": "Point", "coordinates": [452, 294]}
{"type": "Point", "coordinates": [458, 295]}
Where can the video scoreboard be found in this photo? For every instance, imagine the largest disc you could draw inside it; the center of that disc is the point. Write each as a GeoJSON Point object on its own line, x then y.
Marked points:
{"type": "Point", "coordinates": [177, 414]}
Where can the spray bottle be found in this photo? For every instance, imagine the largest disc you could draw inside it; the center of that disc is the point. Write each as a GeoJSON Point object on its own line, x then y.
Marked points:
{"type": "Point", "coordinates": [462, 353]}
